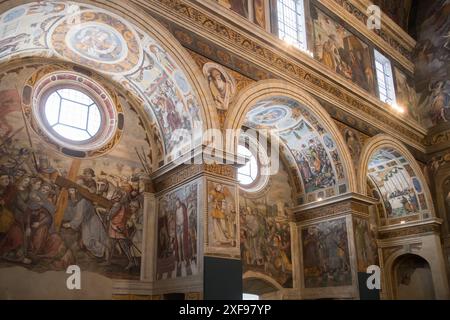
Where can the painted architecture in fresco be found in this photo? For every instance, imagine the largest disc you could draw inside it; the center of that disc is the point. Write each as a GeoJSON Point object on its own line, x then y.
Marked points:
{"type": "Point", "coordinates": [359, 183]}
{"type": "Point", "coordinates": [114, 47]}
{"type": "Point", "coordinates": [398, 184]}
{"type": "Point", "coordinates": [326, 258]}
{"type": "Point", "coordinates": [310, 148]}
{"type": "Point", "coordinates": [177, 233]}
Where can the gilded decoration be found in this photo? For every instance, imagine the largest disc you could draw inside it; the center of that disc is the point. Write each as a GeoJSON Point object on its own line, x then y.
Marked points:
{"type": "Point", "coordinates": [270, 57]}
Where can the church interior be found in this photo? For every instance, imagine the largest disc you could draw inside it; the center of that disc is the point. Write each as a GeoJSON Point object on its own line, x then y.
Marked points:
{"type": "Point", "coordinates": [225, 149]}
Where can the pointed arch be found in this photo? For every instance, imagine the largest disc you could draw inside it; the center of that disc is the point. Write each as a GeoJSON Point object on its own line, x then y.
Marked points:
{"type": "Point", "coordinates": [272, 89]}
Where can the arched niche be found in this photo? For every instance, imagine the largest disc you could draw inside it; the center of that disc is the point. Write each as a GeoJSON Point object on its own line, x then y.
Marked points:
{"type": "Point", "coordinates": [259, 284]}
{"type": "Point", "coordinates": [396, 180]}
{"type": "Point", "coordinates": [441, 180]}
{"type": "Point", "coordinates": [125, 45]}
{"type": "Point", "coordinates": [412, 278]}
{"type": "Point", "coordinates": [306, 133]}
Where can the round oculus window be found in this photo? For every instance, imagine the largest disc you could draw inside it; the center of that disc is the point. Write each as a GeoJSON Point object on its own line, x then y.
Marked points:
{"type": "Point", "coordinates": [74, 111]}
{"type": "Point", "coordinates": [73, 115]}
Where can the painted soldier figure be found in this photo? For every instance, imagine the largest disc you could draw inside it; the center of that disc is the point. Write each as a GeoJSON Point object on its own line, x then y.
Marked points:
{"type": "Point", "coordinates": [117, 228]}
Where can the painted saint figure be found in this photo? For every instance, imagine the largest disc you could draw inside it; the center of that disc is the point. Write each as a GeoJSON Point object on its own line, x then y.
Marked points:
{"type": "Point", "coordinates": [221, 231]}
{"type": "Point", "coordinates": [221, 85]}
{"type": "Point", "coordinates": [182, 249]}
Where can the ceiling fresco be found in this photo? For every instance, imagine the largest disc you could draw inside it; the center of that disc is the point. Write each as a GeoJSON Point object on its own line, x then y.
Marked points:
{"type": "Point", "coordinates": [106, 43]}
{"type": "Point", "coordinates": [309, 147]}
{"type": "Point", "coordinates": [397, 183]}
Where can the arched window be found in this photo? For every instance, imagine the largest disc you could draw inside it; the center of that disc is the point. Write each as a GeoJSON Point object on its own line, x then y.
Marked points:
{"type": "Point", "coordinates": [75, 113]}
{"type": "Point", "coordinates": [248, 173]}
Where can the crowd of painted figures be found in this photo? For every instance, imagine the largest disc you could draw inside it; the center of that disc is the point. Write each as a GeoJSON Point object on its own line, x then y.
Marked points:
{"type": "Point", "coordinates": [265, 244]}
{"type": "Point", "coordinates": [38, 202]}
{"type": "Point", "coordinates": [177, 233]}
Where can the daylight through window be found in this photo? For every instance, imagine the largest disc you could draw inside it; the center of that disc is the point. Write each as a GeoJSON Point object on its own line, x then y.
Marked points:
{"type": "Point", "coordinates": [248, 173]}
{"type": "Point", "coordinates": [291, 22]}
{"type": "Point", "coordinates": [72, 114]}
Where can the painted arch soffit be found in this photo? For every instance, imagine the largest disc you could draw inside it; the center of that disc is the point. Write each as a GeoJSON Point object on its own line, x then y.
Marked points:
{"type": "Point", "coordinates": [102, 41]}
{"type": "Point", "coordinates": [397, 184]}
{"type": "Point", "coordinates": [307, 145]}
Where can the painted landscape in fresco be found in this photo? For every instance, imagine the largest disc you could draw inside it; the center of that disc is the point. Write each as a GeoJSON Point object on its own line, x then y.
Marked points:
{"type": "Point", "coordinates": [222, 215]}
{"type": "Point", "coordinates": [313, 160]}
{"type": "Point", "coordinates": [326, 260]}
{"type": "Point", "coordinates": [56, 211]}
{"type": "Point", "coordinates": [397, 183]}
{"type": "Point", "coordinates": [265, 231]}
{"type": "Point", "coordinates": [342, 51]}
{"type": "Point", "coordinates": [177, 233]}
{"type": "Point", "coordinates": [307, 144]}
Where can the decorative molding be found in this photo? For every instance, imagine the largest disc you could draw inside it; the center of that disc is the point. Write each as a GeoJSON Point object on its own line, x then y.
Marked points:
{"type": "Point", "coordinates": [287, 63]}
{"type": "Point", "coordinates": [398, 32]}
{"type": "Point", "coordinates": [332, 207]}
{"type": "Point", "coordinates": [186, 172]}
{"type": "Point", "coordinates": [390, 38]}
{"type": "Point", "coordinates": [409, 231]}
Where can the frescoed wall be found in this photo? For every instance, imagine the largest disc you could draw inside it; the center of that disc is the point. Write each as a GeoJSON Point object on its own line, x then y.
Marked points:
{"type": "Point", "coordinates": [222, 215]}
{"type": "Point", "coordinates": [432, 59]}
{"type": "Point", "coordinates": [398, 10]}
{"type": "Point", "coordinates": [238, 6]}
{"type": "Point", "coordinates": [326, 259]}
{"type": "Point", "coordinates": [58, 211]}
{"type": "Point", "coordinates": [406, 94]}
{"type": "Point", "coordinates": [110, 45]}
{"type": "Point", "coordinates": [397, 183]}
{"type": "Point", "coordinates": [312, 150]}
{"type": "Point", "coordinates": [342, 51]}
{"type": "Point", "coordinates": [177, 246]}
{"type": "Point", "coordinates": [265, 231]}
{"type": "Point", "coordinates": [365, 241]}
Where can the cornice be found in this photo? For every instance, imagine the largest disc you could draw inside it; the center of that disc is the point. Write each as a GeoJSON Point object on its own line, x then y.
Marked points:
{"type": "Point", "coordinates": [425, 227]}
{"type": "Point", "coordinates": [385, 39]}
{"type": "Point", "coordinates": [271, 54]}
{"type": "Point", "coordinates": [401, 35]}
{"type": "Point", "coordinates": [349, 203]}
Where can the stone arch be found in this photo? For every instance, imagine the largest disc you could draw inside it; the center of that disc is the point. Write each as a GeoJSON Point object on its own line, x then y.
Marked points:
{"type": "Point", "coordinates": [404, 270]}
{"type": "Point", "coordinates": [390, 267]}
{"type": "Point", "coordinates": [269, 89]}
{"type": "Point", "coordinates": [144, 27]}
{"type": "Point", "coordinates": [384, 142]}
{"type": "Point", "coordinates": [271, 283]}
